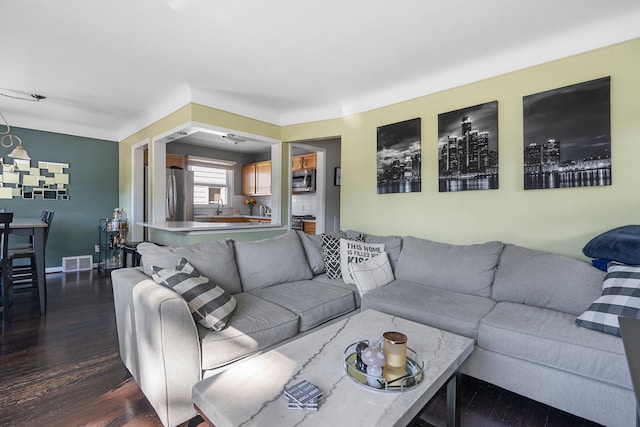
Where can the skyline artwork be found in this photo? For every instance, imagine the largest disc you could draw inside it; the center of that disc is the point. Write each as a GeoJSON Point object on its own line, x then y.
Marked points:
{"type": "Point", "coordinates": [399, 157]}
{"type": "Point", "coordinates": [567, 136]}
{"type": "Point", "coordinates": [468, 148]}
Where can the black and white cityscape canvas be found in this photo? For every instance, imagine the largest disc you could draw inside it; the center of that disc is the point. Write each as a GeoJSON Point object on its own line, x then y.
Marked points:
{"type": "Point", "coordinates": [468, 148]}
{"type": "Point", "coordinates": [567, 136]}
{"type": "Point", "coordinates": [399, 157]}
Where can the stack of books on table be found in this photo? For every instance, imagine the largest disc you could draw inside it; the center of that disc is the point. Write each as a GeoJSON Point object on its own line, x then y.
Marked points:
{"type": "Point", "coordinates": [303, 395]}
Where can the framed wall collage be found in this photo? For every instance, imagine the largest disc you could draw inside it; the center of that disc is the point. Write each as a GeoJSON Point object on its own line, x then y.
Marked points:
{"type": "Point", "coordinates": [44, 180]}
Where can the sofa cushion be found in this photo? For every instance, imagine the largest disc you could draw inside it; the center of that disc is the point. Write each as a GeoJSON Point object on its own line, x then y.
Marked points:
{"type": "Point", "coordinates": [271, 261]}
{"type": "Point", "coordinates": [452, 311]}
{"type": "Point", "coordinates": [312, 244]}
{"type": "Point", "coordinates": [620, 297]}
{"type": "Point", "coordinates": [214, 259]}
{"type": "Point", "coordinates": [552, 338]}
{"type": "Point", "coordinates": [371, 274]}
{"type": "Point", "coordinates": [210, 305]}
{"type": "Point", "coordinates": [355, 252]}
{"type": "Point", "coordinates": [469, 269]}
{"type": "Point", "coordinates": [323, 278]}
{"type": "Point", "coordinates": [255, 325]}
{"type": "Point", "coordinates": [546, 280]}
{"type": "Point", "coordinates": [312, 303]}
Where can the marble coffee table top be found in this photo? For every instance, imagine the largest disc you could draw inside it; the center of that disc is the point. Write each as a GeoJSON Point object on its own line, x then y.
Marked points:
{"type": "Point", "coordinates": [250, 393]}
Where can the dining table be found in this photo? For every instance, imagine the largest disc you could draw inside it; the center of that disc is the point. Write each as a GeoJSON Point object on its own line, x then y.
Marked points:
{"type": "Point", "coordinates": [36, 228]}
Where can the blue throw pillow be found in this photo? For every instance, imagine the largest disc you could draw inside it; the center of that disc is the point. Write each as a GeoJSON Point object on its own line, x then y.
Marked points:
{"type": "Point", "coordinates": [620, 244]}
{"type": "Point", "coordinates": [600, 263]}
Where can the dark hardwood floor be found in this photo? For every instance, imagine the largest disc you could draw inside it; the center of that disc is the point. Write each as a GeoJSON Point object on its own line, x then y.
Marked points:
{"type": "Point", "coordinates": [64, 369]}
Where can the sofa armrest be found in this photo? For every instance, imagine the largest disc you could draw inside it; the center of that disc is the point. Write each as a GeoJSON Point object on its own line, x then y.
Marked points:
{"type": "Point", "coordinates": [123, 281]}
{"type": "Point", "coordinates": [168, 348]}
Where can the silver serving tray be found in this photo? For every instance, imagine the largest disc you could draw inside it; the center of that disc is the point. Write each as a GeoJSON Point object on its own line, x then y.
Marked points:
{"type": "Point", "coordinates": [410, 380]}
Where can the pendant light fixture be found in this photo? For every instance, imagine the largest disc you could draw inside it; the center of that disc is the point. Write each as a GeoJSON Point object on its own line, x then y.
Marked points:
{"type": "Point", "coordinates": [19, 152]}
{"type": "Point", "coordinates": [8, 139]}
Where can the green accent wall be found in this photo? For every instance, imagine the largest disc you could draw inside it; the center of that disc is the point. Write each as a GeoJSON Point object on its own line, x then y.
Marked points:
{"type": "Point", "coordinates": [92, 189]}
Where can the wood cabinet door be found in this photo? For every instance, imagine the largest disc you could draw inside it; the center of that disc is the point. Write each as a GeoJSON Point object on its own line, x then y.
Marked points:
{"type": "Point", "coordinates": [249, 179]}
{"type": "Point", "coordinates": [309, 161]}
{"type": "Point", "coordinates": [175, 160]}
{"type": "Point", "coordinates": [263, 178]}
{"type": "Point", "coordinates": [309, 227]}
{"type": "Point", "coordinates": [171, 160]}
{"type": "Point", "coordinates": [296, 163]}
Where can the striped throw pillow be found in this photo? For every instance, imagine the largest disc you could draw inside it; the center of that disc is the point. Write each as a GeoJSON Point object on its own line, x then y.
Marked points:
{"type": "Point", "coordinates": [210, 305]}
{"type": "Point", "coordinates": [620, 297]}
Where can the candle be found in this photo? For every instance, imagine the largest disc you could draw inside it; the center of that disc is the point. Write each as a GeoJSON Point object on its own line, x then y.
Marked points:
{"type": "Point", "coordinates": [395, 350]}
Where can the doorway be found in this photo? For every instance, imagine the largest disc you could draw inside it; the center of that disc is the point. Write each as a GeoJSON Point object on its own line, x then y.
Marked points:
{"type": "Point", "coordinates": [324, 204]}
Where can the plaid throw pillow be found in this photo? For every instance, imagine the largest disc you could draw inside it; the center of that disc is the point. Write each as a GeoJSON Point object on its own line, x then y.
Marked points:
{"type": "Point", "coordinates": [331, 252]}
{"type": "Point", "coordinates": [210, 305]}
{"type": "Point", "coordinates": [620, 297]}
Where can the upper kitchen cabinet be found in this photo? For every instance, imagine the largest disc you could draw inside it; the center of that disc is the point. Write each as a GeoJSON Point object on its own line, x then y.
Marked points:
{"type": "Point", "coordinates": [172, 160]}
{"type": "Point", "coordinates": [175, 161]}
{"type": "Point", "coordinates": [256, 179]}
{"type": "Point", "coordinates": [306, 161]}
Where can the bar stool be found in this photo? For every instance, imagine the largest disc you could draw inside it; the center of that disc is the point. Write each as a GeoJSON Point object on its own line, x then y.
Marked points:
{"type": "Point", "coordinates": [5, 261]}
{"type": "Point", "coordinates": [24, 275]}
{"type": "Point", "coordinates": [130, 248]}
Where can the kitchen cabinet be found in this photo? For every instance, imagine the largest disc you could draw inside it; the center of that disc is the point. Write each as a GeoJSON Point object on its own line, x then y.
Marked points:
{"type": "Point", "coordinates": [228, 219]}
{"type": "Point", "coordinates": [172, 160]}
{"type": "Point", "coordinates": [306, 161]}
{"type": "Point", "coordinates": [259, 220]}
{"type": "Point", "coordinates": [175, 160]}
{"type": "Point", "coordinates": [309, 227]}
{"type": "Point", "coordinates": [296, 163]}
{"type": "Point", "coordinates": [256, 179]}
{"type": "Point", "coordinates": [263, 178]}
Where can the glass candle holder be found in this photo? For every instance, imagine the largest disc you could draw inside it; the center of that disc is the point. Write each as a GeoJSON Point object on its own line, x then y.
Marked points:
{"type": "Point", "coordinates": [395, 350]}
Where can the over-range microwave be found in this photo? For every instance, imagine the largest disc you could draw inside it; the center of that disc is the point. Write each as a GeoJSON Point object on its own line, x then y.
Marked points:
{"type": "Point", "coordinates": [303, 181]}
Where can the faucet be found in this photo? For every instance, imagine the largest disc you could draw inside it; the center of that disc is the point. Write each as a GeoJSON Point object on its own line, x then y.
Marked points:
{"type": "Point", "coordinates": [220, 205]}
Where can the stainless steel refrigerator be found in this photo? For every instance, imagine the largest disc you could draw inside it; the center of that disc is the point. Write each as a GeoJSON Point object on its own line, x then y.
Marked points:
{"type": "Point", "coordinates": [179, 201]}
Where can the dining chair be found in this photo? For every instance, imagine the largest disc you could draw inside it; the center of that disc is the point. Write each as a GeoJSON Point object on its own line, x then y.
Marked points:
{"type": "Point", "coordinates": [630, 331]}
{"type": "Point", "coordinates": [5, 261]}
{"type": "Point", "coordinates": [46, 216]}
{"type": "Point", "coordinates": [24, 273]}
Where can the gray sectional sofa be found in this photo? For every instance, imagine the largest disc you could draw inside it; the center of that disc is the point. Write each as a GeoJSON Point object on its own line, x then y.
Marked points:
{"type": "Point", "coordinates": [519, 305]}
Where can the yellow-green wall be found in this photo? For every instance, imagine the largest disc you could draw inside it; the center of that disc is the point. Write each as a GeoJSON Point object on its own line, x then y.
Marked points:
{"type": "Point", "coordinates": [557, 220]}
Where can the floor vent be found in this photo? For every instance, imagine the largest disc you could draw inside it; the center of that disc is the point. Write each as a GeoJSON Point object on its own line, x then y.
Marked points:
{"type": "Point", "coordinates": [77, 263]}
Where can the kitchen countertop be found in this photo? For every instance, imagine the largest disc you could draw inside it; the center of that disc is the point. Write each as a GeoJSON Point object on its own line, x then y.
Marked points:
{"type": "Point", "coordinates": [197, 226]}
{"type": "Point", "coordinates": [197, 217]}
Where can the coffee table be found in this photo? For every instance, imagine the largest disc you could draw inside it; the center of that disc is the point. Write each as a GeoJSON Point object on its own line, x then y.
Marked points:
{"type": "Point", "coordinates": [250, 393]}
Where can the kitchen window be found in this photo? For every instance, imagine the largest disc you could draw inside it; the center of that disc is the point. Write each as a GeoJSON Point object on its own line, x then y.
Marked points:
{"type": "Point", "coordinates": [212, 180]}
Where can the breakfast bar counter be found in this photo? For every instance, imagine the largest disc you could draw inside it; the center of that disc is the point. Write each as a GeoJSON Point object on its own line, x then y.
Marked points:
{"type": "Point", "coordinates": [198, 226]}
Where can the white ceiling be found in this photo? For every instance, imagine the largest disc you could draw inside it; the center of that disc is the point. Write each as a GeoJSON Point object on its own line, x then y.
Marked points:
{"type": "Point", "coordinates": [109, 68]}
